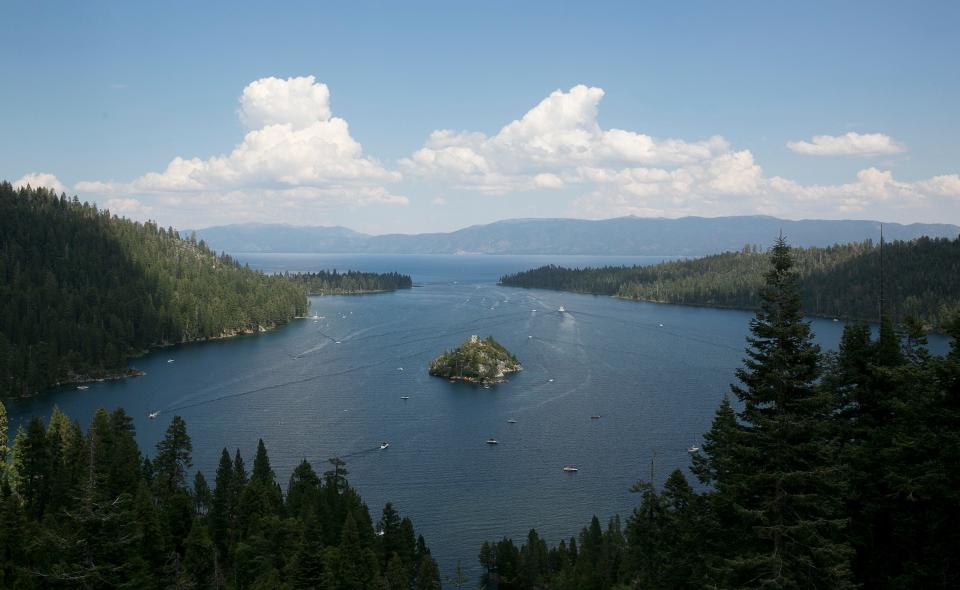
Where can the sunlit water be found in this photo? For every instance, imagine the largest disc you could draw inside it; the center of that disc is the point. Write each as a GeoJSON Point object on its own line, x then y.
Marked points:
{"type": "Point", "coordinates": [316, 389]}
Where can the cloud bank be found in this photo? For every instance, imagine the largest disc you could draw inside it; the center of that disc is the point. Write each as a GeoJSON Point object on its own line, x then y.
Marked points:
{"type": "Point", "coordinates": [848, 144]}
{"type": "Point", "coordinates": [297, 161]}
{"type": "Point", "coordinates": [40, 179]}
{"type": "Point", "coordinates": [295, 155]}
{"type": "Point", "coordinates": [559, 144]}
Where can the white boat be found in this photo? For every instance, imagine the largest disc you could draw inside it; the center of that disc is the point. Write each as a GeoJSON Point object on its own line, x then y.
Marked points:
{"type": "Point", "coordinates": [404, 397]}
{"type": "Point", "coordinates": [549, 380]}
{"type": "Point", "coordinates": [661, 325]}
{"type": "Point", "coordinates": [316, 317]}
{"type": "Point", "coordinates": [153, 415]}
{"type": "Point", "coordinates": [384, 445]}
{"type": "Point", "coordinates": [492, 441]}
{"type": "Point", "coordinates": [511, 421]}
{"type": "Point", "coordinates": [83, 387]}
{"type": "Point", "coordinates": [169, 360]}
{"type": "Point", "coordinates": [561, 310]}
{"type": "Point", "coordinates": [570, 469]}
{"type": "Point", "coordinates": [337, 342]}
{"type": "Point", "coordinates": [836, 320]}
{"type": "Point", "coordinates": [693, 449]}
{"type": "Point", "coordinates": [399, 368]}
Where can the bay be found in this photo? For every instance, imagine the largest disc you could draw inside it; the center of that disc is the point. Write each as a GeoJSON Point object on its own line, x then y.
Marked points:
{"type": "Point", "coordinates": [334, 387]}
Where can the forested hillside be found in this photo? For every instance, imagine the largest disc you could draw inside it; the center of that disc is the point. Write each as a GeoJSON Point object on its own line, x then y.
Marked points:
{"type": "Point", "coordinates": [349, 283]}
{"type": "Point", "coordinates": [84, 290]}
{"type": "Point", "coordinates": [88, 510]}
{"type": "Point", "coordinates": [837, 470]}
{"type": "Point", "coordinates": [921, 280]}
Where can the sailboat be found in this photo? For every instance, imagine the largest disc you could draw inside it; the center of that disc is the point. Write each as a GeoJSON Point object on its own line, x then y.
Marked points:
{"type": "Point", "coordinates": [153, 415]}
{"type": "Point", "coordinates": [384, 445]}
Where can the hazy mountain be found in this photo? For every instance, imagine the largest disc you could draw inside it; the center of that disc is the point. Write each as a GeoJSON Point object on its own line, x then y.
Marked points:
{"type": "Point", "coordinates": [620, 236]}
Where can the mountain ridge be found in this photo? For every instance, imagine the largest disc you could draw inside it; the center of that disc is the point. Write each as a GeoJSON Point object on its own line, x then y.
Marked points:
{"type": "Point", "coordinates": [623, 236]}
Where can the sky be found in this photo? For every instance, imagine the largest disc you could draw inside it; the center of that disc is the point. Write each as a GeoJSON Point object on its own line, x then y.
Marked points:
{"type": "Point", "coordinates": [431, 116]}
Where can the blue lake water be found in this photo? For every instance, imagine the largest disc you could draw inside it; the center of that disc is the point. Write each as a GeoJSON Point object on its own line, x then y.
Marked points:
{"type": "Point", "coordinates": [317, 389]}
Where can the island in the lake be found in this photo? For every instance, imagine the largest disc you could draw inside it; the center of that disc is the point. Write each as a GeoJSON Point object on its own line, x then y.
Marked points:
{"type": "Point", "coordinates": [476, 361]}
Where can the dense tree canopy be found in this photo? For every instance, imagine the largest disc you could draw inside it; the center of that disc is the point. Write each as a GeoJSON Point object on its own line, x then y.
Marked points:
{"type": "Point", "coordinates": [87, 510]}
{"type": "Point", "coordinates": [84, 290]}
{"type": "Point", "coordinates": [922, 280]}
{"type": "Point", "coordinates": [349, 283]}
{"type": "Point", "coordinates": [828, 470]}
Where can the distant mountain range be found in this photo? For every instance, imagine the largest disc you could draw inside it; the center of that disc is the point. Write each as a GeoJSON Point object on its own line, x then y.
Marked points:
{"type": "Point", "coordinates": [690, 236]}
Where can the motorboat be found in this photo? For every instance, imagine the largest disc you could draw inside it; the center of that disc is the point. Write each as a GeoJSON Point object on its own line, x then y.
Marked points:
{"type": "Point", "coordinates": [570, 469]}
{"type": "Point", "coordinates": [595, 417]}
{"type": "Point", "coordinates": [83, 387]}
{"type": "Point", "coordinates": [384, 445]}
{"type": "Point", "coordinates": [169, 360]}
{"type": "Point", "coordinates": [153, 415]}
{"type": "Point", "coordinates": [562, 310]}
{"type": "Point", "coordinates": [492, 441]}
{"type": "Point", "coordinates": [693, 449]}
{"type": "Point", "coordinates": [404, 397]}
{"type": "Point", "coordinates": [511, 421]}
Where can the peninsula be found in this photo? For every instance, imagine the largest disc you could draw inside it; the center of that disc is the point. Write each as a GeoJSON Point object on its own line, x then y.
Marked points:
{"type": "Point", "coordinates": [476, 361]}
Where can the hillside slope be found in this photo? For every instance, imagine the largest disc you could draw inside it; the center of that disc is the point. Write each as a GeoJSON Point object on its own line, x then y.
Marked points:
{"type": "Point", "coordinates": [83, 291]}
{"type": "Point", "coordinates": [922, 280]}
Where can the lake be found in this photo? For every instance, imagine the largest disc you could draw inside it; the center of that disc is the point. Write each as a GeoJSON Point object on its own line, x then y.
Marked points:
{"type": "Point", "coordinates": [317, 389]}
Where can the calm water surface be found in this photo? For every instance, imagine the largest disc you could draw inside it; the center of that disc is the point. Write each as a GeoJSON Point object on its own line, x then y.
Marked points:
{"type": "Point", "coordinates": [316, 389]}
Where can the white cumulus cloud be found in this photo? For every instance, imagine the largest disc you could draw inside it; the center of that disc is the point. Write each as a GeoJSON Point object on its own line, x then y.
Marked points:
{"type": "Point", "coordinates": [559, 145]}
{"type": "Point", "coordinates": [294, 152]}
{"type": "Point", "coordinates": [40, 179]}
{"type": "Point", "coordinates": [848, 144]}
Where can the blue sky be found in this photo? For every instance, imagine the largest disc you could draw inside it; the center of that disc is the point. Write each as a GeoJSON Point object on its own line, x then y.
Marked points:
{"type": "Point", "coordinates": [654, 109]}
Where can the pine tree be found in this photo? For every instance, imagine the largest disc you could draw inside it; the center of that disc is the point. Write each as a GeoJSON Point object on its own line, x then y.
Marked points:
{"type": "Point", "coordinates": [779, 473]}
{"type": "Point", "coordinates": [173, 459]}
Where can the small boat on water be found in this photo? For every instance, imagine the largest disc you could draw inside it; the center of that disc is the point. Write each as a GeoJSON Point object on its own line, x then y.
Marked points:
{"type": "Point", "coordinates": [404, 397]}
{"type": "Point", "coordinates": [399, 368]}
{"type": "Point", "coordinates": [595, 417]}
{"type": "Point", "coordinates": [153, 415]}
{"type": "Point", "coordinates": [511, 421]}
{"type": "Point", "coordinates": [561, 310]}
{"type": "Point", "coordinates": [384, 445]}
{"type": "Point", "coordinates": [492, 441]}
{"type": "Point", "coordinates": [169, 360]}
{"type": "Point", "coordinates": [549, 380]}
{"type": "Point", "coordinates": [83, 387]}
{"type": "Point", "coordinates": [570, 469]}
{"type": "Point", "coordinates": [693, 449]}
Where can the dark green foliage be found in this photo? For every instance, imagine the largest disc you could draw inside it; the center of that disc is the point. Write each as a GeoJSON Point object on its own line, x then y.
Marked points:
{"type": "Point", "coordinates": [349, 283]}
{"type": "Point", "coordinates": [476, 360]}
{"type": "Point", "coordinates": [838, 281]}
{"type": "Point", "coordinates": [834, 470]}
{"type": "Point", "coordinates": [83, 291]}
{"type": "Point", "coordinates": [80, 512]}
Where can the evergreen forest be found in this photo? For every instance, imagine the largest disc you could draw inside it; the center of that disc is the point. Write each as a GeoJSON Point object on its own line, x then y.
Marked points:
{"type": "Point", "coordinates": [921, 280]}
{"type": "Point", "coordinates": [89, 511]}
{"type": "Point", "coordinates": [83, 291]}
{"type": "Point", "coordinates": [821, 470]}
{"type": "Point", "coordinates": [349, 283]}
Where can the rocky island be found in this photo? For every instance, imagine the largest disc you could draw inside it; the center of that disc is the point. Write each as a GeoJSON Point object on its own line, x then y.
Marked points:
{"type": "Point", "coordinates": [476, 361]}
